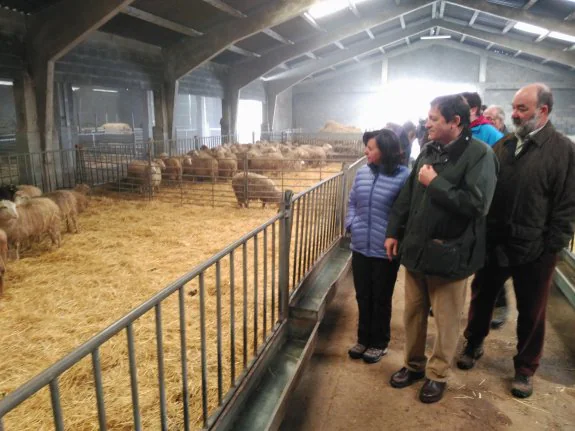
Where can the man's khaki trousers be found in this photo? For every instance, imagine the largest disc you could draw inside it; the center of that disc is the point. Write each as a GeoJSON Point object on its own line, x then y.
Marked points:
{"type": "Point", "coordinates": [446, 298]}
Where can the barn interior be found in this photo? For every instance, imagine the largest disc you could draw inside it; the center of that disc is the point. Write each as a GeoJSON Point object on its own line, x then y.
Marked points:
{"type": "Point", "coordinates": [102, 83]}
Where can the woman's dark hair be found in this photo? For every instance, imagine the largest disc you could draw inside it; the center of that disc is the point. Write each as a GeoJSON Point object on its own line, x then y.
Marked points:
{"type": "Point", "coordinates": [390, 148]}
{"type": "Point", "coordinates": [370, 134]}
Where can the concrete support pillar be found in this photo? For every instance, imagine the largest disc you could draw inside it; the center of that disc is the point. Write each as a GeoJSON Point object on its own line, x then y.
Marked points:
{"type": "Point", "coordinates": [27, 131]}
{"type": "Point", "coordinates": [230, 111]}
{"type": "Point", "coordinates": [160, 132]}
{"type": "Point", "coordinates": [271, 101]}
{"type": "Point", "coordinates": [203, 124]}
{"type": "Point", "coordinates": [43, 77]}
{"type": "Point", "coordinates": [171, 92]}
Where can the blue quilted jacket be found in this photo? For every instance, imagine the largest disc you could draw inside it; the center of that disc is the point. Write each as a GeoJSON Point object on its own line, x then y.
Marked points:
{"type": "Point", "coordinates": [370, 201]}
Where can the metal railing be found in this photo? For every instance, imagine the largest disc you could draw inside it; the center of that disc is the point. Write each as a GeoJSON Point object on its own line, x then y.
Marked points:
{"type": "Point", "coordinates": [135, 168]}
{"type": "Point", "coordinates": [246, 287]}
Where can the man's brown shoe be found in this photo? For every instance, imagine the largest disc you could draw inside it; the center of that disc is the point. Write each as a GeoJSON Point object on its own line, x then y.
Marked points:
{"type": "Point", "coordinates": [405, 377]}
{"type": "Point", "coordinates": [522, 386]}
{"type": "Point", "coordinates": [431, 391]}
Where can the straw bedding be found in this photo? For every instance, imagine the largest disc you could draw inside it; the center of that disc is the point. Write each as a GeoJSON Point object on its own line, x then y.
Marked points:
{"type": "Point", "coordinates": [126, 252]}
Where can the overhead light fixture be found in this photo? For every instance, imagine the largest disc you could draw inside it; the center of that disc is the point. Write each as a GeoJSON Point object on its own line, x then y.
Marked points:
{"type": "Point", "coordinates": [529, 28]}
{"type": "Point", "coordinates": [9, 83]}
{"type": "Point", "coordinates": [329, 7]}
{"type": "Point", "coordinates": [102, 90]}
{"type": "Point", "coordinates": [439, 36]}
{"type": "Point", "coordinates": [562, 36]}
{"type": "Point", "coordinates": [75, 88]}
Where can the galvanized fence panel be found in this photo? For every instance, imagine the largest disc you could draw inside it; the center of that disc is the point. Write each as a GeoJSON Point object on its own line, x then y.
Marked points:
{"type": "Point", "coordinates": [315, 226]}
{"type": "Point", "coordinates": [233, 301]}
{"type": "Point", "coordinates": [224, 312]}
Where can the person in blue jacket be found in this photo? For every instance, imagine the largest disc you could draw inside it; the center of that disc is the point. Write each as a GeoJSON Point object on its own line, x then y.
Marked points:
{"type": "Point", "coordinates": [481, 127]}
{"type": "Point", "coordinates": [374, 191]}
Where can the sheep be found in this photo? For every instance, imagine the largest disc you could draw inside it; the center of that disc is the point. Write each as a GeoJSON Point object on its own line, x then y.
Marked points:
{"type": "Point", "coordinates": [227, 168]}
{"type": "Point", "coordinates": [258, 187]}
{"type": "Point", "coordinates": [80, 192]}
{"type": "Point", "coordinates": [147, 175]}
{"type": "Point", "coordinates": [204, 166]}
{"type": "Point", "coordinates": [270, 162]}
{"type": "Point", "coordinates": [68, 204]}
{"type": "Point", "coordinates": [28, 191]}
{"type": "Point", "coordinates": [173, 171]}
{"type": "Point", "coordinates": [29, 219]}
{"type": "Point", "coordinates": [3, 258]}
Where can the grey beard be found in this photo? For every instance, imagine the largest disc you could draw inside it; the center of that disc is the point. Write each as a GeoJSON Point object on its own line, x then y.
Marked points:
{"type": "Point", "coordinates": [526, 128]}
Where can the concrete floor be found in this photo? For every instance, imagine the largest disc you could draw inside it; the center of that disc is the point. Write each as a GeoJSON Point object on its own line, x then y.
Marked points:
{"type": "Point", "coordinates": [337, 393]}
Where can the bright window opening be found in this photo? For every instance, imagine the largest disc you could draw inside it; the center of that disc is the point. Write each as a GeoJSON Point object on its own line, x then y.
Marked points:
{"type": "Point", "coordinates": [250, 119]}
{"type": "Point", "coordinates": [404, 100]}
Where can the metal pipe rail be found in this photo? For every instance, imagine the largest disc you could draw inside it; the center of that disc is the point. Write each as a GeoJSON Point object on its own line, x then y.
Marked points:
{"type": "Point", "coordinates": [50, 376]}
{"type": "Point", "coordinates": [318, 217]}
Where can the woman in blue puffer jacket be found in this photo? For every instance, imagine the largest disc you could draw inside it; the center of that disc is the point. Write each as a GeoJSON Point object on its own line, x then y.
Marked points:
{"type": "Point", "coordinates": [374, 190]}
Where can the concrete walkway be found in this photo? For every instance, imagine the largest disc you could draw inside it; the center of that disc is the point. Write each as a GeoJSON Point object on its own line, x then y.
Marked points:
{"type": "Point", "coordinates": [338, 393]}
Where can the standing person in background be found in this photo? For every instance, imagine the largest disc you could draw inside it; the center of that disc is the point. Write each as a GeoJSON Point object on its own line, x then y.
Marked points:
{"type": "Point", "coordinates": [374, 190]}
{"type": "Point", "coordinates": [404, 142]}
{"type": "Point", "coordinates": [529, 223]}
{"type": "Point", "coordinates": [411, 131]}
{"type": "Point", "coordinates": [496, 115]}
{"type": "Point", "coordinates": [439, 217]}
{"type": "Point", "coordinates": [481, 128]}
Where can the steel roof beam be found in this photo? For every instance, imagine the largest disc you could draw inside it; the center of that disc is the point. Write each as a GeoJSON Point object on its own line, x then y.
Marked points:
{"type": "Point", "coordinates": [189, 53]}
{"type": "Point", "coordinates": [161, 22]}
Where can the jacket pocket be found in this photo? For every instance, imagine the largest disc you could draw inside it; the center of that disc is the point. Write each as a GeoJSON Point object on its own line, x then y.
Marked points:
{"type": "Point", "coordinates": [441, 257]}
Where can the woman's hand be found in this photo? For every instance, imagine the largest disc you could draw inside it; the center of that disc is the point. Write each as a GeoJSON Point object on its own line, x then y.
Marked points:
{"type": "Point", "coordinates": [391, 247]}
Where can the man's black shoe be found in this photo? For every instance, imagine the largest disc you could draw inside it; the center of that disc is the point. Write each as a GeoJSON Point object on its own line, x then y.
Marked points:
{"type": "Point", "coordinates": [405, 377]}
{"type": "Point", "coordinates": [470, 354]}
{"type": "Point", "coordinates": [431, 391]}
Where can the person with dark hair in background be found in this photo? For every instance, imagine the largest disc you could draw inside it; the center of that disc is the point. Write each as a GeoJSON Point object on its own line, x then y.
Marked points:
{"type": "Point", "coordinates": [374, 190]}
{"type": "Point", "coordinates": [481, 128]}
{"type": "Point", "coordinates": [529, 223]}
{"type": "Point", "coordinates": [496, 115]}
{"type": "Point", "coordinates": [403, 141]}
{"type": "Point", "coordinates": [439, 217]}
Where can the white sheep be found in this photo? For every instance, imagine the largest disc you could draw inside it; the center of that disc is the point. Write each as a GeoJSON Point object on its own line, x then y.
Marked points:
{"type": "Point", "coordinates": [30, 219]}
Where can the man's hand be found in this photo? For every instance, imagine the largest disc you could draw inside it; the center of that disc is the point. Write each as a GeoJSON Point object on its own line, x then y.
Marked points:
{"type": "Point", "coordinates": [426, 175]}
{"type": "Point", "coordinates": [391, 247]}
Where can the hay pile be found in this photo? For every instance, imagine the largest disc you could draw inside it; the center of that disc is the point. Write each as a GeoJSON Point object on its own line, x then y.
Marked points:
{"type": "Point", "coordinates": [335, 127]}
{"type": "Point", "coordinates": [125, 253]}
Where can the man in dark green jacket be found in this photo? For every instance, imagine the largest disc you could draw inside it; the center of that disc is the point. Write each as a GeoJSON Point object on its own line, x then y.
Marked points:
{"type": "Point", "coordinates": [528, 224]}
{"type": "Point", "coordinates": [439, 218]}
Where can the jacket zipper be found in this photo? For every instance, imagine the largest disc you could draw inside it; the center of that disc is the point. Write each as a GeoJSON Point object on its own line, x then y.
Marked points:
{"type": "Point", "coordinates": [369, 213]}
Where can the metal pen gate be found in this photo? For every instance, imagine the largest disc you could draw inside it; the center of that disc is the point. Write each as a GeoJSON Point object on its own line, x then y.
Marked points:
{"type": "Point", "coordinates": [263, 269]}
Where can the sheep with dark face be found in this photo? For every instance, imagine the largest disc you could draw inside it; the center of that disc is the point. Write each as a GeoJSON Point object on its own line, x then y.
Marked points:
{"type": "Point", "coordinates": [7, 192]}
{"type": "Point", "coordinates": [255, 187]}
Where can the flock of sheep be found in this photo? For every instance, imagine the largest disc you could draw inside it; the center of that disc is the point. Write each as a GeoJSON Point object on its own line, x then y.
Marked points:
{"type": "Point", "coordinates": [245, 165]}
{"type": "Point", "coordinates": [27, 215]}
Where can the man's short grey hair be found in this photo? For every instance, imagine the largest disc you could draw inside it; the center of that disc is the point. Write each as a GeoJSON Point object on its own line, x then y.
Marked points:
{"type": "Point", "coordinates": [544, 96]}
{"type": "Point", "coordinates": [499, 111]}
